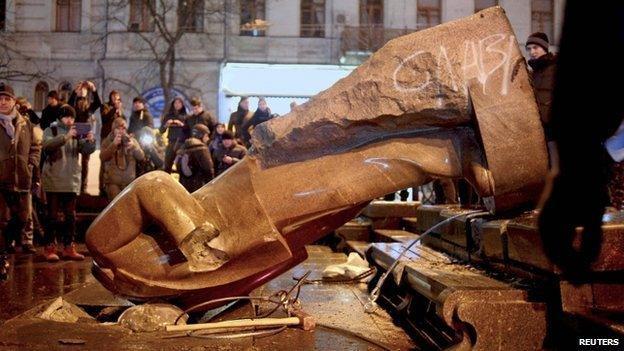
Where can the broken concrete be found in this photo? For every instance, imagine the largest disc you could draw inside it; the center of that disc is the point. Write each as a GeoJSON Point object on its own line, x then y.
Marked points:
{"type": "Point", "coordinates": [60, 310]}
{"type": "Point", "coordinates": [151, 317]}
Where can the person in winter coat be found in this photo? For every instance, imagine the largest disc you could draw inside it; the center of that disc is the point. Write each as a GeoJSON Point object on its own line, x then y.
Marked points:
{"type": "Point", "coordinates": [140, 116]}
{"type": "Point", "coordinates": [79, 100]}
{"type": "Point", "coordinates": [239, 117]}
{"type": "Point", "coordinates": [20, 149]}
{"type": "Point", "coordinates": [172, 123]}
{"type": "Point", "coordinates": [194, 162]}
{"type": "Point", "coordinates": [543, 65]}
{"type": "Point", "coordinates": [61, 181]}
{"type": "Point", "coordinates": [198, 116]}
{"type": "Point", "coordinates": [230, 154]}
{"type": "Point", "coordinates": [262, 114]}
{"type": "Point", "coordinates": [51, 112]}
{"type": "Point", "coordinates": [119, 155]}
{"type": "Point", "coordinates": [110, 111]}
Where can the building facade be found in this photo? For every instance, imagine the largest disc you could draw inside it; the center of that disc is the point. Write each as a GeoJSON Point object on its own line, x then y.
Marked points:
{"type": "Point", "coordinates": [120, 46]}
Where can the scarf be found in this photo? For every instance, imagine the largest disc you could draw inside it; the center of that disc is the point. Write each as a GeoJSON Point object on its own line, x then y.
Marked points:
{"type": "Point", "coordinates": [7, 122]}
{"type": "Point", "coordinates": [542, 62]}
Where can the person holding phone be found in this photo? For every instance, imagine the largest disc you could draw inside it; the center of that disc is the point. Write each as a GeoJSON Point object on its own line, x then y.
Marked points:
{"type": "Point", "coordinates": [61, 182]}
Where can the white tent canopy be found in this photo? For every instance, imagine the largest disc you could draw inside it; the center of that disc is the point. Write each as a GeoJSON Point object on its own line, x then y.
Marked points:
{"type": "Point", "coordinates": [280, 84]}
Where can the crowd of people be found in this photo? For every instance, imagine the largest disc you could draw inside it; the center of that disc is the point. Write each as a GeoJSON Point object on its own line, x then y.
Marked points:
{"type": "Point", "coordinates": [44, 159]}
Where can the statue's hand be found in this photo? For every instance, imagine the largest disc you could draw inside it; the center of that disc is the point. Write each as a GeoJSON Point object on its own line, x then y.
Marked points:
{"type": "Point", "coordinates": [156, 200]}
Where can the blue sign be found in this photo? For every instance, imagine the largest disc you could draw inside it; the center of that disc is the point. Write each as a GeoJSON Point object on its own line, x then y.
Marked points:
{"type": "Point", "coordinates": [156, 104]}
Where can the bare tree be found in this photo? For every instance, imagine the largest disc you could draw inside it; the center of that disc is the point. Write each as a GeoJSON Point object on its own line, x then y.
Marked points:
{"type": "Point", "coordinates": [16, 65]}
{"type": "Point", "coordinates": [161, 26]}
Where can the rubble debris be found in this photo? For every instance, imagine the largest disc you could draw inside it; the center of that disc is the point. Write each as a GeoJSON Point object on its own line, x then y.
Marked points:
{"type": "Point", "coordinates": [62, 311]}
{"type": "Point", "coordinates": [151, 317]}
{"type": "Point", "coordinates": [354, 266]}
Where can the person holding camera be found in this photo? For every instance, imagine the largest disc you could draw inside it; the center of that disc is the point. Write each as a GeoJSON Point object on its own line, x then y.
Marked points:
{"type": "Point", "coordinates": [193, 161]}
{"type": "Point", "coordinates": [85, 109]}
{"type": "Point", "coordinates": [119, 155]}
{"type": "Point", "coordinates": [20, 149]}
{"type": "Point", "coordinates": [109, 111]}
{"type": "Point", "coordinates": [64, 146]}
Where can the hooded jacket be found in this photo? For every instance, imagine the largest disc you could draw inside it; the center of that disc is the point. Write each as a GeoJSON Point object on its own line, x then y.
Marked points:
{"type": "Point", "coordinates": [62, 170]}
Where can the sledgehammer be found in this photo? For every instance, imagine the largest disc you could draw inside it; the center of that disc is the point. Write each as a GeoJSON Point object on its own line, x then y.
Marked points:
{"type": "Point", "coordinates": [301, 319]}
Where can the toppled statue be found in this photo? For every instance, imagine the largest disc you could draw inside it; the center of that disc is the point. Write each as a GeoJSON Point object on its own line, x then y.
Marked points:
{"type": "Point", "coordinates": [451, 101]}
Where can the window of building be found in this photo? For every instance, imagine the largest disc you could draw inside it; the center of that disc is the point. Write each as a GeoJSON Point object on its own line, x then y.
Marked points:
{"type": "Point", "coordinates": [313, 18]}
{"type": "Point", "coordinates": [65, 90]}
{"type": "Point", "coordinates": [68, 15]}
{"type": "Point", "coordinates": [191, 15]}
{"type": "Point", "coordinates": [41, 95]}
{"type": "Point", "coordinates": [2, 15]}
{"type": "Point", "coordinates": [542, 17]}
{"type": "Point", "coordinates": [484, 4]}
{"type": "Point", "coordinates": [371, 13]}
{"type": "Point", "coordinates": [370, 34]}
{"type": "Point", "coordinates": [429, 13]}
{"type": "Point", "coordinates": [140, 16]}
{"type": "Point", "coordinates": [253, 18]}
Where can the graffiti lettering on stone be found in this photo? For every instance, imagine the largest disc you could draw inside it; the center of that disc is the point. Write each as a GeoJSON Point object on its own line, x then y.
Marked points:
{"type": "Point", "coordinates": [481, 60]}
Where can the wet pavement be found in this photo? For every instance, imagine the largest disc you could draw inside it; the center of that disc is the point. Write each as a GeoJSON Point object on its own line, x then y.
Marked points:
{"type": "Point", "coordinates": [34, 281]}
{"type": "Point", "coordinates": [332, 305]}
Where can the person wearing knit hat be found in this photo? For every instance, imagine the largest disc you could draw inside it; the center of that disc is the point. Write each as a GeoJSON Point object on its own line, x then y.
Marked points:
{"type": "Point", "coordinates": [193, 161]}
{"type": "Point", "coordinates": [61, 180]}
{"type": "Point", "coordinates": [67, 111]}
{"type": "Point", "coordinates": [200, 131]}
{"type": "Point", "coordinates": [537, 45]}
{"type": "Point", "coordinates": [543, 64]}
{"type": "Point", "coordinates": [140, 117]}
